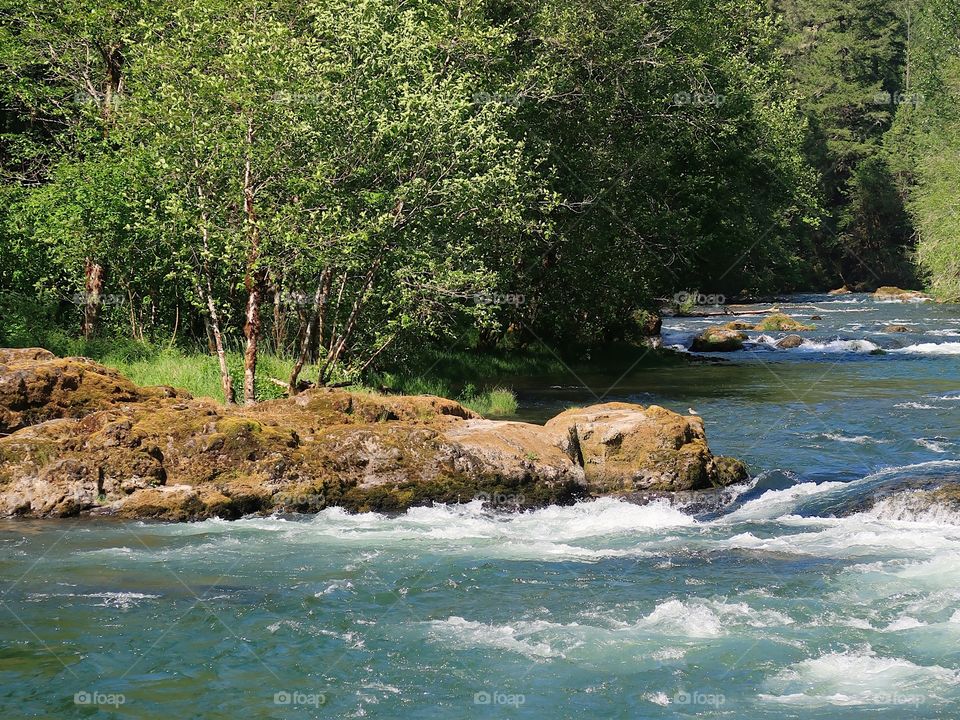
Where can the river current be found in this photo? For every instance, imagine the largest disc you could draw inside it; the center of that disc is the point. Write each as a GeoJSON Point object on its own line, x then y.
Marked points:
{"type": "Point", "coordinates": [819, 589]}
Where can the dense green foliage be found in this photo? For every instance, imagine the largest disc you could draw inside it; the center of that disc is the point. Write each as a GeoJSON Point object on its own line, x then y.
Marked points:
{"type": "Point", "coordinates": [926, 142]}
{"type": "Point", "coordinates": [352, 183]}
{"type": "Point", "coordinates": [846, 58]}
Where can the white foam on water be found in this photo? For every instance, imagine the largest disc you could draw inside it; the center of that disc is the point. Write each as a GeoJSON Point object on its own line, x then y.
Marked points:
{"type": "Point", "coordinates": [918, 406]}
{"type": "Point", "coordinates": [858, 677]}
{"type": "Point", "coordinates": [603, 637]}
{"type": "Point", "coordinates": [898, 469]}
{"type": "Point", "coordinates": [597, 518]}
{"type": "Point", "coordinates": [657, 698]}
{"type": "Point", "coordinates": [467, 633]}
{"type": "Point", "coordinates": [856, 347]}
{"type": "Point", "coordinates": [552, 533]}
{"type": "Point", "coordinates": [776, 503]}
{"type": "Point", "coordinates": [703, 618]}
{"type": "Point", "coordinates": [951, 348]}
{"type": "Point", "coordinates": [928, 590]}
{"type": "Point", "coordinates": [856, 439]}
{"type": "Point", "coordinates": [904, 622]}
{"type": "Point", "coordinates": [860, 535]}
{"type": "Point", "coordinates": [914, 507]}
{"type": "Point", "coordinates": [120, 600]}
{"type": "Point", "coordinates": [943, 333]}
{"type": "Point", "coordinates": [937, 446]}
{"type": "Point", "coordinates": [900, 301]}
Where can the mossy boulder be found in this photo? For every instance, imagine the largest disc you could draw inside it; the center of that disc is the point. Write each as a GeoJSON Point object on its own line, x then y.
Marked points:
{"type": "Point", "coordinates": [643, 328]}
{"type": "Point", "coordinates": [889, 293]}
{"type": "Point", "coordinates": [718, 339]}
{"type": "Point", "coordinates": [35, 385]}
{"type": "Point", "coordinates": [781, 322]}
{"type": "Point", "coordinates": [627, 448]}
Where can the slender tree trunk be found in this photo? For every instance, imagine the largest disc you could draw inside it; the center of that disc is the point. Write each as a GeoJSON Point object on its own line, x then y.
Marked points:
{"type": "Point", "coordinates": [255, 279]}
{"type": "Point", "coordinates": [226, 382]}
{"type": "Point", "coordinates": [314, 326]}
{"type": "Point", "coordinates": [336, 312]}
{"type": "Point", "coordinates": [317, 343]}
{"type": "Point", "coordinates": [93, 287]}
{"type": "Point", "coordinates": [279, 328]}
{"type": "Point", "coordinates": [330, 362]}
{"type": "Point", "coordinates": [134, 334]}
{"type": "Point", "coordinates": [213, 328]}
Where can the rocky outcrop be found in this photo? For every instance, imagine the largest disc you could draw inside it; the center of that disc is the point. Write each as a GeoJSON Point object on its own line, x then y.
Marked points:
{"type": "Point", "coordinates": [889, 293]}
{"type": "Point", "coordinates": [897, 329]}
{"type": "Point", "coordinates": [776, 321]}
{"type": "Point", "coordinates": [628, 448]}
{"type": "Point", "coordinates": [718, 339]}
{"type": "Point", "coordinates": [35, 385]}
{"type": "Point", "coordinates": [159, 453]}
{"type": "Point", "coordinates": [840, 291]}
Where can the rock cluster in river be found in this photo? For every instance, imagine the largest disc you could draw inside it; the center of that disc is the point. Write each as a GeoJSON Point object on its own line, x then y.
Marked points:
{"type": "Point", "coordinates": [730, 336]}
{"type": "Point", "coordinates": [79, 438]}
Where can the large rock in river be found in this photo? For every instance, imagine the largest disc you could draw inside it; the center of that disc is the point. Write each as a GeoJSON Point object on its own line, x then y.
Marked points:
{"type": "Point", "coordinates": [890, 293]}
{"type": "Point", "coordinates": [780, 321]}
{"type": "Point", "coordinates": [156, 452]}
{"type": "Point", "coordinates": [718, 339]}
{"type": "Point", "coordinates": [628, 448]}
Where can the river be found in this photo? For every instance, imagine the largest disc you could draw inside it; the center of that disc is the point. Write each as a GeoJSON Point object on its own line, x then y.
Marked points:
{"type": "Point", "coordinates": [816, 590]}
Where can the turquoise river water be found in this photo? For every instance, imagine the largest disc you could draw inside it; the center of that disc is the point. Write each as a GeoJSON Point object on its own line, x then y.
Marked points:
{"type": "Point", "coordinates": [816, 590]}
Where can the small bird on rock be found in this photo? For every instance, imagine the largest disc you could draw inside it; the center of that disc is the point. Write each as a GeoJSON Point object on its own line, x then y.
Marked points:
{"type": "Point", "coordinates": [691, 411]}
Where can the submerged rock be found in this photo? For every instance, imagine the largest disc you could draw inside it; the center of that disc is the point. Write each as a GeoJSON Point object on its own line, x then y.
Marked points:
{"type": "Point", "coordinates": [718, 339]}
{"type": "Point", "coordinates": [789, 342]}
{"type": "Point", "coordinates": [95, 443]}
{"type": "Point", "coordinates": [897, 329]}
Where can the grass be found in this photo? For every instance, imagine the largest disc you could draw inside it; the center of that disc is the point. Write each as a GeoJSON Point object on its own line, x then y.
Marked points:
{"type": "Point", "coordinates": [480, 381]}
{"type": "Point", "coordinates": [199, 374]}
{"type": "Point", "coordinates": [492, 402]}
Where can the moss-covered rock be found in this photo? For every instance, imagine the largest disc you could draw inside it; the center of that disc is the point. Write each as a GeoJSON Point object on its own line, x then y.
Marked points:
{"type": "Point", "coordinates": [781, 322]}
{"type": "Point", "coordinates": [718, 339]}
{"type": "Point", "coordinates": [626, 448]}
{"type": "Point", "coordinates": [35, 386]}
{"type": "Point", "coordinates": [172, 457]}
{"type": "Point", "coordinates": [890, 293]}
